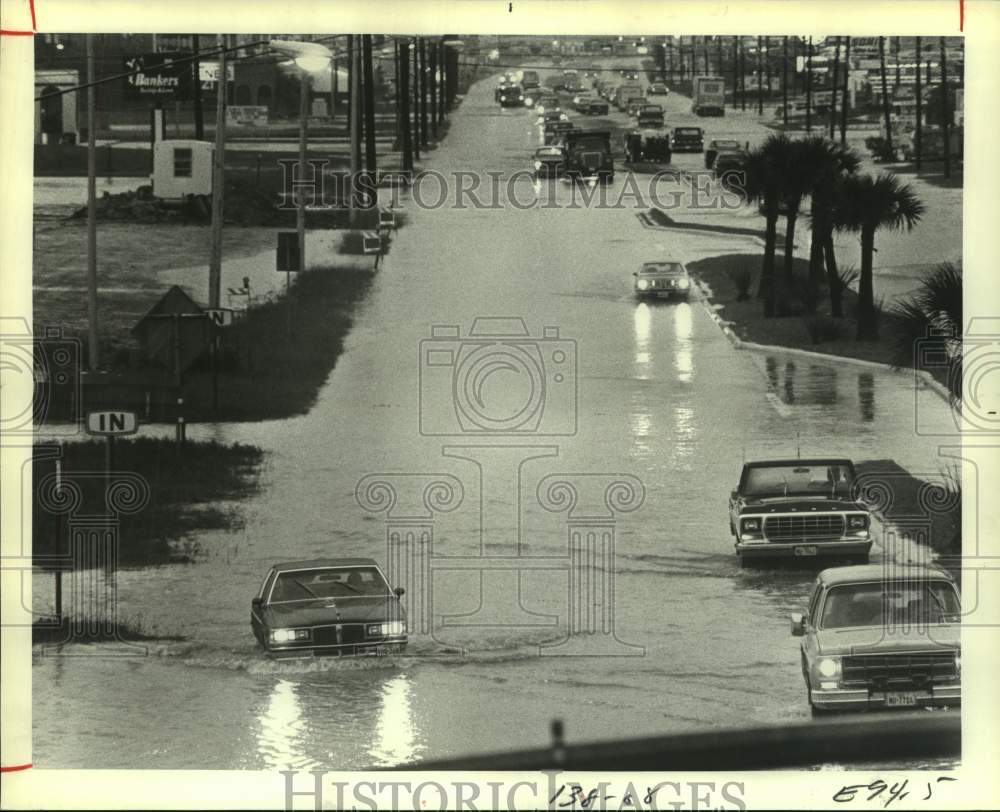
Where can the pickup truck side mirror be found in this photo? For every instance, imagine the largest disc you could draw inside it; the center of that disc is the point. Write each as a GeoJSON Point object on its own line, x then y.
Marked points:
{"type": "Point", "coordinates": [399, 591]}
{"type": "Point", "coordinates": [798, 624]}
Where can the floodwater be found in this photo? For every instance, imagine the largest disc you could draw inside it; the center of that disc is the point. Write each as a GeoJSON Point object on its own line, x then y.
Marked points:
{"type": "Point", "coordinates": [648, 413]}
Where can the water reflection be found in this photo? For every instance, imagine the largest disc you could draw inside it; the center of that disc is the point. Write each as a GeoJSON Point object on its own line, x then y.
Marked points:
{"type": "Point", "coordinates": [283, 728]}
{"type": "Point", "coordinates": [642, 320]}
{"type": "Point", "coordinates": [790, 382]}
{"type": "Point", "coordinates": [866, 396]}
{"type": "Point", "coordinates": [684, 433]}
{"type": "Point", "coordinates": [395, 737]}
{"type": "Point", "coordinates": [683, 351]}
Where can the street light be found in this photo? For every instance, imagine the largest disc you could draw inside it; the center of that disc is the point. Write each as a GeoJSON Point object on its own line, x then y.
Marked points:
{"type": "Point", "coordinates": [309, 57]}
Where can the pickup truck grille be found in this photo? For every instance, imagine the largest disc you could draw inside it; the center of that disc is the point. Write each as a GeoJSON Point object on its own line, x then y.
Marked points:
{"type": "Point", "coordinates": [806, 526]}
{"type": "Point", "coordinates": [880, 671]}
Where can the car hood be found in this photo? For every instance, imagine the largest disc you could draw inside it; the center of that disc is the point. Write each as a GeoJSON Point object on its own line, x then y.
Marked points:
{"type": "Point", "coordinates": [879, 640]}
{"type": "Point", "coordinates": [798, 504]}
{"type": "Point", "coordinates": [341, 610]}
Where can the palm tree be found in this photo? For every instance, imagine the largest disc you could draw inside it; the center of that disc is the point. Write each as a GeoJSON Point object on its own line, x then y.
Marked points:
{"type": "Point", "coordinates": [763, 185]}
{"type": "Point", "coordinates": [799, 164]}
{"type": "Point", "coordinates": [829, 163]}
{"type": "Point", "coordinates": [867, 205]}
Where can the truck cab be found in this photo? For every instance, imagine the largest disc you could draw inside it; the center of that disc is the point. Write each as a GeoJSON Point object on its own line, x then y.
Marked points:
{"type": "Point", "coordinates": [588, 154]}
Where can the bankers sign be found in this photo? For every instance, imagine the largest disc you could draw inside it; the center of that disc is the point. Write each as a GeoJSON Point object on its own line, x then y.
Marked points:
{"type": "Point", "coordinates": [158, 76]}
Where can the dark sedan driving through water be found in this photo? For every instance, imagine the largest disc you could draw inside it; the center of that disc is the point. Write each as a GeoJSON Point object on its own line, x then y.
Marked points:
{"type": "Point", "coordinates": [328, 606]}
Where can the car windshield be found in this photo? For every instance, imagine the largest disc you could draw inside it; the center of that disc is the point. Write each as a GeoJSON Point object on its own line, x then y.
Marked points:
{"type": "Point", "coordinates": [727, 145]}
{"type": "Point", "coordinates": [897, 603]}
{"type": "Point", "coordinates": [822, 478]}
{"type": "Point", "coordinates": [687, 131]}
{"type": "Point", "coordinates": [326, 583]}
{"type": "Point", "coordinates": [672, 268]}
{"type": "Point", "coordinates": [548, 152]}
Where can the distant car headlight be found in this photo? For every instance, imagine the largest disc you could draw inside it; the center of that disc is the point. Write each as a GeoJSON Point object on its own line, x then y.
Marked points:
{"type": "Point", "coordinates": [538, 164]}
{"type": "Point", "coordinates": [683, 283]}
{"type": "Point", "coordinates": [859, 522]}
{"type": "Point", "coordinates": [750, 525]}
{"type": "Point", "coordinates": [503, 98]}
{"type": "Point", "coordinates": [828, 667]}
{"type": "Point", "coordinates": [642, 284]}
{"type": "Point", "coordinates": [290, 635]}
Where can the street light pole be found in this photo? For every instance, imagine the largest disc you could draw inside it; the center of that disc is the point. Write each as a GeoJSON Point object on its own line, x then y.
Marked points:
{"type": "Point", "coordinates": [355, 57]}
{"type": "Point", "coordinates": [300, 209]}
{"type": "Point", "coordinates": [93, 357]}
{"type": "Point", "coordinates": [218, 180]}
{"type": "Point", "coordinates": [403, 54]}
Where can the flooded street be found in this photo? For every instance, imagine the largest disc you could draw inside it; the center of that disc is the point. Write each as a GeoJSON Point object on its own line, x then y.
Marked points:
{"type": "Point", "coordinates": [649, 413]}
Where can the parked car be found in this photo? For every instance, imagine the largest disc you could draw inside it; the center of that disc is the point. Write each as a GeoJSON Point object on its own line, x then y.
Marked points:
{"type": "Point", "coordinates": [328, 606]}
{"type": "Point", "coordinates": [802, 509]}
{"type": "Point", "coordinates": [657, 89]}
{"type": "Point", "coordinates": [881, 637]}
{"type": "Point", "coordinates": [549, 161]}
{"type": "Point", "coordinates": [663, 280]}
{"type": "Point", "coordinates": [718, 145]}
{"type": "Point", "coordinates": [687, 139]}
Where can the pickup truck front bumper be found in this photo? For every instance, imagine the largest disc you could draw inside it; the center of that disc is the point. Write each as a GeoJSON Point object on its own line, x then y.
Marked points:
{"type": "Point", "coordinates": [840, 548]}
{"type": "Point", "coordinates": [833, 699]}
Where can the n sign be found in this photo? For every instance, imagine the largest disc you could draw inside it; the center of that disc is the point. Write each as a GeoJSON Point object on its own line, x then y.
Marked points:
{"type": "Point", "coordinates": [112, 423]}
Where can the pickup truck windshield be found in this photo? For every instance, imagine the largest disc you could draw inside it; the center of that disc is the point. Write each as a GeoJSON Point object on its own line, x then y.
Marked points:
{"type": "Point", "coordinates": [799, 480]}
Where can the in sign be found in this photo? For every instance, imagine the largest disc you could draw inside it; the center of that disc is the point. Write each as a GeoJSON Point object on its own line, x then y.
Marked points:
{"type": "Point", "coordinates": [112, 423]}
{"type": "Point", "coordinates": [220, 316]}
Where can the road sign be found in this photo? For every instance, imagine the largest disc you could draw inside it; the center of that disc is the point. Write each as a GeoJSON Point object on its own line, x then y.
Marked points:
{"type": "Point", "coordinates": [386, 218]}
{"type": "Point", "coordinates": [112, 423]}
{"type": "Point", "coordinates": [219, 316]}
{"type": "Point", "coordinates": [372, 242]}
{"type": "Point", "coordinates": [288, 258]}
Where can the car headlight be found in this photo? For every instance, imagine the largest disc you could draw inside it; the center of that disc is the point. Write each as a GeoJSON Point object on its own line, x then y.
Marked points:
{"type": "Point", "coordinates": [290, 635]}
{"type": "Point", "coordinates": [642, 284]}
{"type": "Point", "coordinates": [538, 164]}
{"type": "Point", "coordinates": [684, 284]}
{"type": "Point", "coordinates": [958, 663]}
{"type": "Point", "coordinates": [828, 667]}
{"type": "Point", "coordinates": [750, 525]}
{"type": "Point", "coordinates": [503, 98]}
{"type": "Point", "coordinates": [859, 522]}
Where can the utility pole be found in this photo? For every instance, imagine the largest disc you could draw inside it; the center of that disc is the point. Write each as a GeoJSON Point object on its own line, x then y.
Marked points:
{"type": "Point", "coordinates": [896, 41]}
{"type": "Point", "coordinates": [415, 127]}
{"type": "Point", "coordinates": [355, 166]}
{"type": "Point", "coordinates": [760, 76]}
{"type": "Point", "coordinates": [433, 67]}
{"type": "Point", "coordinates": [945, 123]}
{"type": "Point", "coordinates": [199, 113]}
{"type": "Point", "coordinates": [93, 356]}
{"type": "Point", "coordinates": [767, 66]}
{"type": "Point", "coordinates": [300, 207]}
{"type": "Point", "coordinates": [845, 103]}
{"type": "Point", "coordinates": [834, 88]}
{"type": "Point", "coordinates": [704, 49]}
{"type": "Point", "coordinates": [784, 81]}
{"type": "Point", "coordinates": [736, 65]}
{"type": "Point", "coordinates": [809, 85]}
{"type": "Point", "coordinates": [743, 75]}
{"type": "Point", "coordinates": [885, 96]}
{"type": "Point", "coordinates": [918, 135]}
{"type": "Point", "coordinates": [718, 54]}
{"type": "Point", "coordinates": [422, 59]}
{"type": "Point", "coordinates": [368, 79]}
{"type": "Point", "coordinates": [406, 141]}
{"type": "Point", "coordinates": [218, 179]}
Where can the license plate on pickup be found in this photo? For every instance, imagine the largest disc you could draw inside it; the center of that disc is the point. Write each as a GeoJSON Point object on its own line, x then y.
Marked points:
{"type": "Point", "coordinates": [900, 700]}
{"type": "Point", "coordinates": [806, 550]}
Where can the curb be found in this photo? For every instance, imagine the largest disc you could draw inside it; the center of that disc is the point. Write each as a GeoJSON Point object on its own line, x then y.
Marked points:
{"type": "Point", "coordinates": [925, 377]}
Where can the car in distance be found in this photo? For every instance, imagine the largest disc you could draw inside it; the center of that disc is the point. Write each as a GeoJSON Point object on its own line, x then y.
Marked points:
{"type": "Point", "coordinates": [657, 89]}
{"type": "Point", "coordinates": [512, 96]}
{"type": "Point", "coordinates": [799, 509]}
{"type": "Point", "coordinates": [649, 115]}
{"type": "Point", "coordinates": [687, 139]}
{"type": "Point", "coordinates": [597, 107]}
{"type": "Point", "coordinates": [549, 162]}
{"type": "Point", "coordinates": [662, 280]}
{"type": "Point", "coordinates": [718, 145]}
{"type": "Point", "coordinates": [876, 637]}
{"type": "Point", "coordinates": [338, 606]}
{"type": "Point", "coordinates": [729, 167]}
{"type": "Point", "coordinates": [555, 131]}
